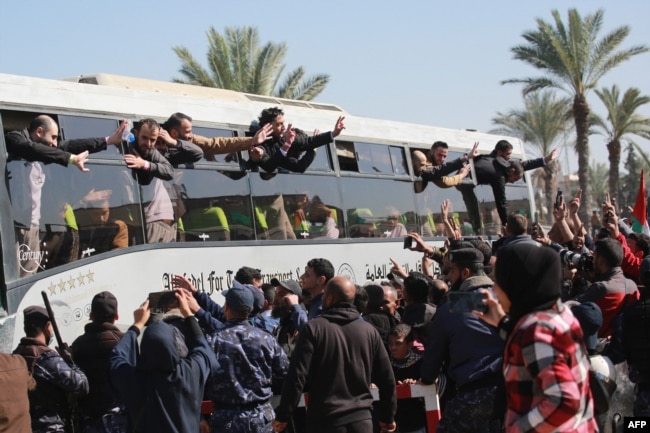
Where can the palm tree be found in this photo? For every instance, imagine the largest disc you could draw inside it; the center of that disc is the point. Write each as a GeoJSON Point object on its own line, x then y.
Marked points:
{"type": "Point", "coordinates": [622, 120]}
{"type": "Point", "coordinates": [544, 120]}
{"type": "Point", "coordinates": [237, 62]}
{"type": "Point", "coordinates": [573, 59]}
{"type": "Point", "coordinates": [598, 175]}
{"type": "Point", "coordinates": [630, 181]}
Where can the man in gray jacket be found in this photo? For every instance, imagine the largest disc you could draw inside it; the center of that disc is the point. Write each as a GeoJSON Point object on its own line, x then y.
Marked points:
{"type": "Point", "coordinates": [150, 169]}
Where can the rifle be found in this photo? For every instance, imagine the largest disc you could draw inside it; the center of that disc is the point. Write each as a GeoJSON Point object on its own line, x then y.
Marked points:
{"type": "Point", "coordinates": [62, 347]}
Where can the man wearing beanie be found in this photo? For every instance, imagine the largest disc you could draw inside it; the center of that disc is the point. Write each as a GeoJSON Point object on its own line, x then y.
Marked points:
{"type": "Point", "coordinates": [55, 379]}
{"type": "Point", "coordinates": [472, 350]}
{"type": "Point", "coordinates": [545, 362]}
{"type": "Point", "coordinates": [91, 352]}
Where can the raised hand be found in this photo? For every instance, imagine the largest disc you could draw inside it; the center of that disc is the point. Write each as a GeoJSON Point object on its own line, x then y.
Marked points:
{"type": "Point", "coordinates": [474, 152]}
{"type": "Point", "coordinates": [141, 315]}
{"type": "Point", "coordinates": [79, 160]}
{"type": "Point", "coordinates": [289, 136]}
{"type": "Point", "coordinates": [444, 209]}
{"type": "Point", "coordinates": [97, 195]}
{"type": "Point", "coordinates": [116, 136]}
{"type": "Point", "coordinates": [185, 303]}
{"type": "Point", "coordinates": [339, 126]}
{"type": "Point", "coordinates": [180, 282]}
{"type": "Point", "coordinates": [164, 136]}
{"type": "Point", "coordinates": [262, 134]}
{"type": "Point", "coordinates": [552, 156]}
{"type": "Point", "coordinates": [574, 204]}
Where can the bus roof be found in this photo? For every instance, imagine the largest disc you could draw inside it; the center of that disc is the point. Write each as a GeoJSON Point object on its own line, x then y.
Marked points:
{"type": "Point", "coordinates": [108, 95]}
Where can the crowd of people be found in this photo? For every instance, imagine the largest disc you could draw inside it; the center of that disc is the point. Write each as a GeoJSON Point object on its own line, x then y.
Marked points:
{"type": "Point", "coordinates": [519, 335]}
{"type": "Point", "coordinates": [555, 312]}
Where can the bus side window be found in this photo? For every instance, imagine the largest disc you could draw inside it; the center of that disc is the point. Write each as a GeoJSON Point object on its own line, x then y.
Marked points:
{"type": "Point", "coordinates": [72, 127]}
{"type": "Point", "coordinates": [106, 209]}
{"type": "Point", "coordinates": [212, 206]}
{"type": "Point", "coordinates": [381, 207]}
{"type": "Point", "coordinates": [297, 206]}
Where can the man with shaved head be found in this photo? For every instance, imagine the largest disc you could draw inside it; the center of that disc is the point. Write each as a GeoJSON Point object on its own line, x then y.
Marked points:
{"type": "Point", "coordinates": [36, 144]}
{"type": "Point", "coordinates": [337, 357]}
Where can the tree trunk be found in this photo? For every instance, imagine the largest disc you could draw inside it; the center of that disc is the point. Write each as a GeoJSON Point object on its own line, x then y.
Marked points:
{"type": "Point", "coordinates": [581, 118]}
{"type": "Point", "coordinates": [614, 148]}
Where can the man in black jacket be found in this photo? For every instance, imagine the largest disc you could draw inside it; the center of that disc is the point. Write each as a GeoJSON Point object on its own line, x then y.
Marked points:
{"type": "Point", "coordinates": [279, 152]}
{"type": "Point", "coordinates": [38, 143]}
{"type": "Point", "coordinates": [497, 169]}
{"type": "Point", "coordinates": [337, 357]}
{"type": "Point", "coordinates": [495, 172]}
{"type": "Point", "coordinates": [91, 351]}
{"type": "Point", "coordinates": [48, 403]}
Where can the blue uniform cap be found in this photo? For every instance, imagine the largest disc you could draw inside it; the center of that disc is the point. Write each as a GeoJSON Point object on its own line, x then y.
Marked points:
{"type": "Point", "coordinates": [239, 296]}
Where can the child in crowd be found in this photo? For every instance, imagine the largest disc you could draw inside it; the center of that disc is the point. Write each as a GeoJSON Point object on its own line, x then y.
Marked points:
{"type": "Point", "coordinates": [406, 363]}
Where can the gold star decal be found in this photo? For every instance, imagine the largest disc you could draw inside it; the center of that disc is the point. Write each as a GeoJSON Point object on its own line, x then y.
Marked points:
{"type": "Point", "coordinates": [91, 277]}
{"type": "Point", "coordinates": [81, 279]}
{"type": "Point", "coordinates": [71, 282]}
{"type": "Point", "coordinates": [62, 286]}
{"type": "Point", "coordinates": [52, 289]}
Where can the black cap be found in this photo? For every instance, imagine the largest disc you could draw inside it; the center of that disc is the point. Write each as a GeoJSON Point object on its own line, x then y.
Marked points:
{"type": "Point", "coordinates": [465, 256]}
{"type": "Point", "coordinates": [290, 285]}
{"type": "Point", "coordinates": [36, 315]}
{"type": "Point", "coordinates": [104, 307]}
{"type": "Point", "coordinates": [591, 319]}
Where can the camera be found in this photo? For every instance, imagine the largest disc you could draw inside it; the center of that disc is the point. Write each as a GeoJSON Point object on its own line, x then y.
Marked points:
{"type": "Point", "coordinates": [582, 262]}
{"type": "Point", "coordinates": [159, 302]}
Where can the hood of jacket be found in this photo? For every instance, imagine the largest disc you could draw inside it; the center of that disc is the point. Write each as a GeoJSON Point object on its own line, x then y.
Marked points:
{"type": "Point", "coordinates": [159, 349]}
{"type": "Point", "coordinates": [341, 313]}
{"type": "Point", "coordinates": [476, 282]}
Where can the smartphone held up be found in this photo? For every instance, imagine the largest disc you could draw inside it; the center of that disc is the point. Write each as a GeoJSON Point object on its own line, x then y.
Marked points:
{"type": "Point", "coordinates": [466, 302]}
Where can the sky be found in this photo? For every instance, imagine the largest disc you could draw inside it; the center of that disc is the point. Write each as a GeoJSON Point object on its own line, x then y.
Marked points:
{"type": "Point", "coordinates": [428, 62]}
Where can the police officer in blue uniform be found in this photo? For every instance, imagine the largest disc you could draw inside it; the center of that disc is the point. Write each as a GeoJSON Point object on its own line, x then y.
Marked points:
{"type": "Point", "coordinates": [251, 363]}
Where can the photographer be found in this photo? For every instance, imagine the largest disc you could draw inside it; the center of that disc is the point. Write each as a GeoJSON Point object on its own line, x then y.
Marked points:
{"type": "Point", "coordinates": [160, 386]}
{"type": "Point", "coordinates": [610, 289]}
{"type": "Point", "coordinates": [576, 266]}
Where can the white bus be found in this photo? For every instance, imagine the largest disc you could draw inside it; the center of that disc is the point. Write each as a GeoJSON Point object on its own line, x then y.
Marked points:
{"type": "Point", "coordinates": [227, 215]}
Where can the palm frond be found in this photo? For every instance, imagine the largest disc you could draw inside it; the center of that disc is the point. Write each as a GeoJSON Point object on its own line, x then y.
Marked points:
{"type": "Point", "coordinates": [191, 69]}
{"type": "Point", "coordinates": [237, 62]}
